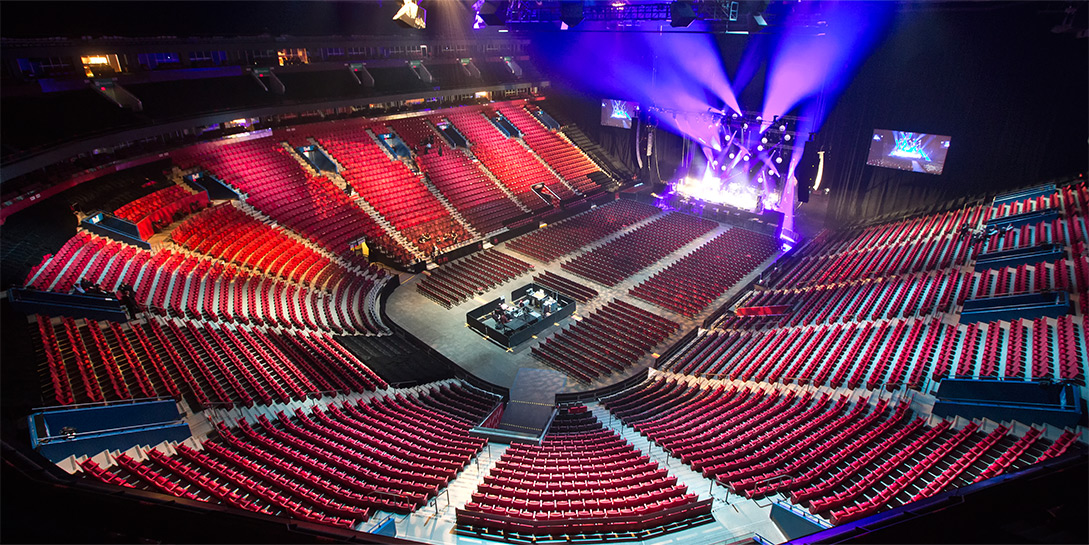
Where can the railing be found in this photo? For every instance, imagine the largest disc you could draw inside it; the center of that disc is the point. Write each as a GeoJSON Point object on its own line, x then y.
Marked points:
{"type": "Point", "coordinates": [102, 403]}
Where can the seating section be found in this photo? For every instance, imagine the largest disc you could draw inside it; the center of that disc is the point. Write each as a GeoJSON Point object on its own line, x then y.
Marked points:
{"type": "Point", "coordinates": [920, 294]}
{"type": "Point", "coordinates": [874, 262]}
{"type": "Point", "coordinates": [626, 255]}
{"type": "Point", "coordinates": [893, 352]}
{"type": "Point", "coordinates": [564, 158]}
{"type": "Point", "coordinates": [86, 361]}
{"type": "Point", "coordinates": [457, 282]}
{"type": "Point", "coordinates": [694, 281]}
{"type": "Point", "coordinates": [514, 165]}
{"type": "Point", "coordinates": [227, 233]}
{"type": "Point", "coordinates": [844, 459]}
{"type": "Point", "coordinates": [582, 479]}
{"type": "Point", "coordinates": [335, 465]}
{"type": "Point", "coordinates": [566, 286]}
{"type": "Point", "coordinates": [560, 239]}
{"type": "Point", "coordinates": [611, 339]}
{"type": "Point", "coordinates": [277, 185]}
{"type": "Point", "coordinates": [460, 179]}
{"type": "Point", "coordinates": [170, 282]}
{"type": "Point", "coordinates": [145, 206]}
{"type": "Point", "coordinates": [397, 193]}
{"type": "Point", "coordinates": [1023, 206]}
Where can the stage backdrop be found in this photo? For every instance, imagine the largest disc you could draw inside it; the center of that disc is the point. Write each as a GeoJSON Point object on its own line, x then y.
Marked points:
{"type": "Point", "coordinates": [1010, 93]}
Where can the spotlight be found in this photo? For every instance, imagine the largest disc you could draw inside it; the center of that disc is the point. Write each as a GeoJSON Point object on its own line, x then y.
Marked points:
{"type": "Point", "coordinates": [734, 116]}
{"type": "Point", "coordinates": [758, 118]}
{"type": "Point", "coordinates": [727, 138]}
{"type": "Point", "coordinates": [760, 147]}
{"type": "Point", "coordinates": [732, 155]}
{"type": "Point", "coordinates": [771, 171]}
{"type": "Point", "coordinates": [746, 158]}
{"type": "Point", "coordinates": [764, 140]}
{"type": "Point", "coordinates": [412, 15]}
{"type": "Point", "coordinates": [782, 127]}
{"type": "Point", "coordinates": [786, 137]}
{"type": "Point", "coordinates": [744, 125]}
{"type": "Point", "coordinates": [778, 160]}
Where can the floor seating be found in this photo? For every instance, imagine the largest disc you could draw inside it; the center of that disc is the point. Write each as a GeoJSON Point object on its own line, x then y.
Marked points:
{"type": "Point", "coordinates": [611, 339]}
{"type": "Point", "coordinates": [694, 281]}
{"type": "Point", "coordinates": [631, 252]}
{"type": "Point", "coordinates": [562, 238]}
{"type": "Point", "coordinates": [456, 282]}
{"type": "Point", "coordinates": [581, 292]}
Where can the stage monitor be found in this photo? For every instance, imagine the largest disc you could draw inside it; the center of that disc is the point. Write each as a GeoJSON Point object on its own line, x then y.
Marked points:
{"type": "Point", "coordinates": [914, 151]}
{"type": "Point", "coordinates": [617, 113]}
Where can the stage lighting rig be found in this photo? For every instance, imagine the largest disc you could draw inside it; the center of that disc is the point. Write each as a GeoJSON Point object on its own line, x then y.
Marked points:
{"type": "Point", "coordinates": [412, 14]}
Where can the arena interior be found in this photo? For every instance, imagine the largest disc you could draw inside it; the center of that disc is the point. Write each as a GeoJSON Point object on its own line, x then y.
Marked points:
{"type": "Point", "coordinates": [454, 272]}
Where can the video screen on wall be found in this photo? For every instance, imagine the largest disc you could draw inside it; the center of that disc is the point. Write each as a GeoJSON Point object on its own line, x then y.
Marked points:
{"type": "Point", "coordinates": [617, 113]}
{"type": "Point", "coordinates": [914, 151]}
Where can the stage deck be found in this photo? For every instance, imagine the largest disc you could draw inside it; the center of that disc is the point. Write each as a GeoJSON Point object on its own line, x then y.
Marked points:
{"type": "Point", "coordinates": [446, 331]}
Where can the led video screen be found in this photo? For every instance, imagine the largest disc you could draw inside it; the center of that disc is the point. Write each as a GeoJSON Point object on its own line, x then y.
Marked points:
{"type": "Point", "coordinates": [617, 113]}
{"type": "Point", "coordinates": [914, 151]}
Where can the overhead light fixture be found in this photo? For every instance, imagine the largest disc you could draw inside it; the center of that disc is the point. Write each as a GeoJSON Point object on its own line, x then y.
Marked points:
{"type": "Point", "coordinates": [412, 15]}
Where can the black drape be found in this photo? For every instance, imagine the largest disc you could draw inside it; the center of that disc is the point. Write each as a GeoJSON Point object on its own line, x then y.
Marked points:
{"type": "Point", "coordinates": [1012, 95]}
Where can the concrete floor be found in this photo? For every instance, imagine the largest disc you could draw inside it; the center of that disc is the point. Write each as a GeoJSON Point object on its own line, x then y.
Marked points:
{"type": "Point", "coordinates": [446, 330]}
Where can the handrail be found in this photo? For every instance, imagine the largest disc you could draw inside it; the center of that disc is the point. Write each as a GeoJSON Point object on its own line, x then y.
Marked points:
{"type": "Point", "coordinates": [104, 403]}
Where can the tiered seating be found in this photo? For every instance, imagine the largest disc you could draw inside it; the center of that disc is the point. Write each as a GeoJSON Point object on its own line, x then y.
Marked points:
{"type": "Point", "coordinates": [390, 187]}
{"type": "Point", "coordinates": [1063, 230]}
{"type": "Point", "coordinates": [512, 164]}
{"type": "Point", "coordinates": [566, 286]}
{"type": "Point", "coordinates": [893, 352]}
{"type": "Point", "coordinates": [899, 232]}
{"type": "Point", "coordinates": [631, 252]}
{"type": "Point", "coordinates": [1040, 349]}
{"type": "Point", "coordinates": [560, 154]}
{"type": "Point", "coordinates": [227, 233]}
{"type": "Point", "coordinates": [279, 187]}
{"type": "Point", "coordinates": [458, 281]}
{"type": "Point", "coordinates": [181, 284]}
{"type": "Point", "coordinates": [612, 338]}
{"type": "Point", "coordinates": [88, 361]}
{"type": "Point", "coordinates": [562, 238]}
{"type": "Point", "coordinates": [1033, 204]}
{"type": "Point", "coordinates": [334, 465]}
{"type": "Point", "coordinates": [845, 459]}
{"type": "Point", "coordinates": [694, 281]}
{"type": "Point", "coordinates": [895, 297]}
{"type": "Point", "coordinates": [161, 208]}
{"type": "Point", "coordinates": [461, 180]}
{"type": "Point", "coordinates": [582, 479]}
{"type": "Point", "coordinates": [1075, 199]}
{"type": "Point", "coordinates": [903, 258]}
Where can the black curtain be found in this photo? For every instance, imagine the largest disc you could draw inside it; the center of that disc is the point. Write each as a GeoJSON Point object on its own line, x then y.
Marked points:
{"type": "Point", "coordinates": [1011, 94]}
